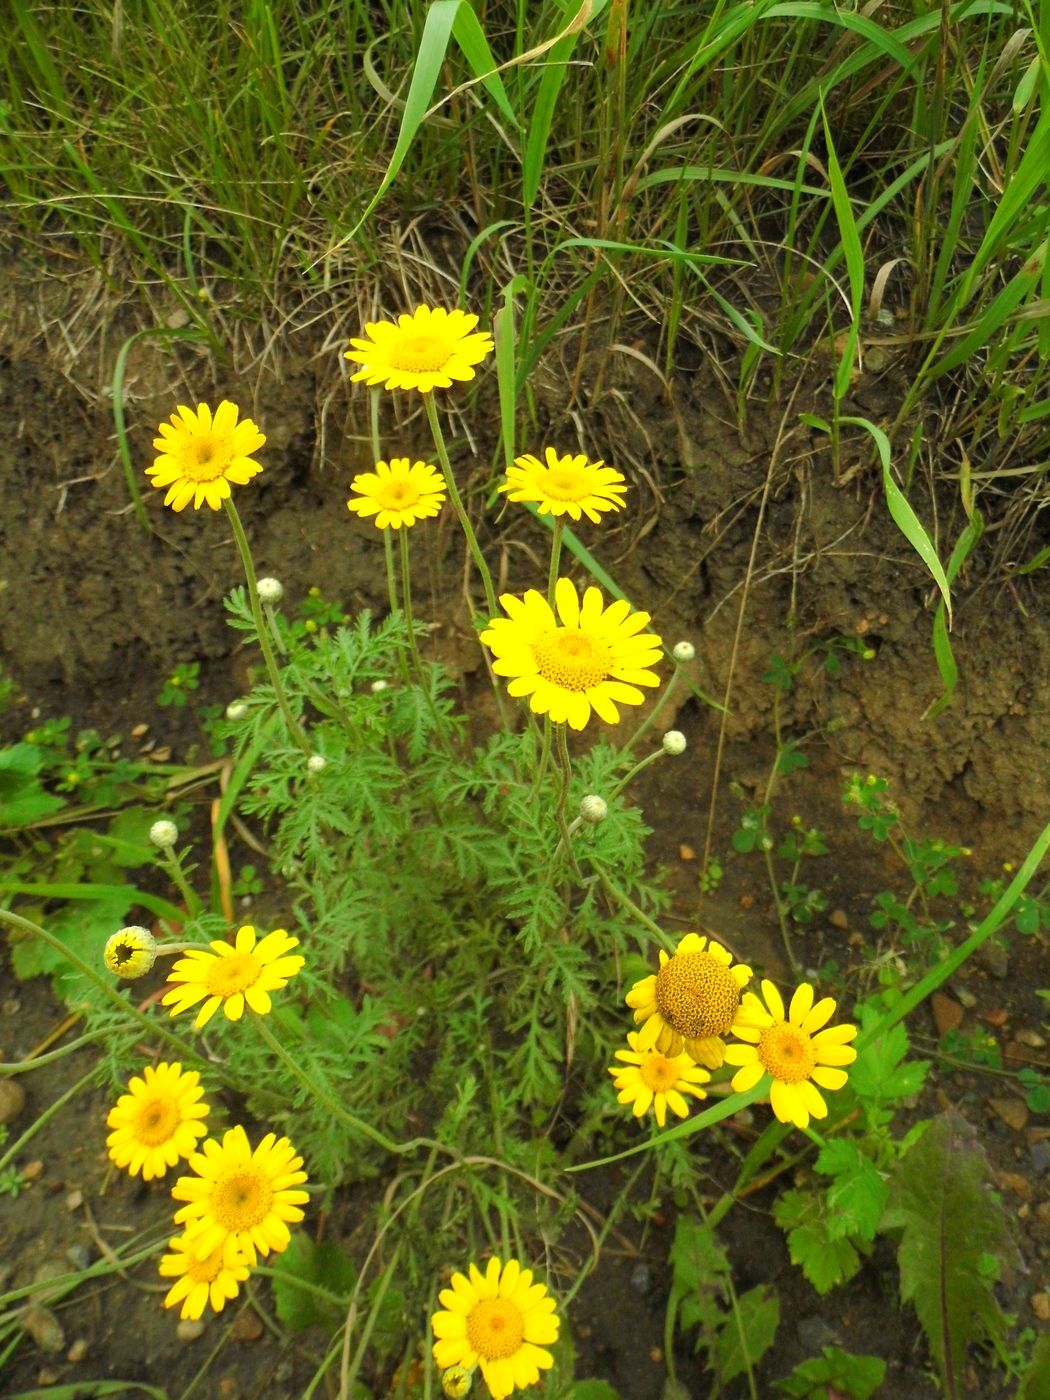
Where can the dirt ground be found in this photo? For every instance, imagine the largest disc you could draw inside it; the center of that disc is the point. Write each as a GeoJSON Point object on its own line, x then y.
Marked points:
{"type": "Point", "coordinates": [95, 612]}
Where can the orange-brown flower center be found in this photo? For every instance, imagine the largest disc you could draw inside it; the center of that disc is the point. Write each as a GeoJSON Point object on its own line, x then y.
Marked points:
{"type": "Point", "coordinates": [787, 1053]}
{"type": "Point", "coordinates": [495, 1328]}
{"type": "Point", "coordinates": [419, 353]}
{"type": "Point", "coordinates": [571, 659]}
{"type": "Point", "coordinates": [697, 995]}
{"type": "Point", "coordinates": [157, 1120]}
{"type": "Point", "coordinates": [237, 973]}
{"type": "Point", "coordinates": [658, 1073]}
{"type": "Point", "coordinates": [241, 1200]}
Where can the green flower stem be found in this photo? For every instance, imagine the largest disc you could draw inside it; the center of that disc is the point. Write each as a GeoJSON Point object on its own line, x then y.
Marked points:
{"type": "Point", "coordinates": [391, 588]}
{"type": "Point", "coordinates": [544, 758]}
{"type": "Point", "coordinates": [633, 772]}
{"type": "Point", "coordinates": [457, 505]}
{"type": "Point", "coordinates": [653, 714]}
{"type": "Point", "coordinates": [260, 627]}
{"type": "Point", "coordinates": [24, 1066]}
{"type": "Point", "coordinates": [552, 575]}
{"type": "Point", "coordinates": [627, 903]}
{"type": "Point", "coordinates": [170, 863]}
{"type": "Point", "coordinates": [155, 1028]}
{"type": "Point", "coordinates": [566, 779]}
{"type": "Point", "coordinates": [336, 1108]}
{"type": "Point", "coordinates": [406, 594]}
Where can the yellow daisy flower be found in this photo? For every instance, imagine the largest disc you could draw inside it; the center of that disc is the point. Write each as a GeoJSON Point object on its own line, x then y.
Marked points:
{"type": "Point", "coordinates": [647, 1079]}
{"type": "Point", "coordinates": [566, 485]}
{"type": "Point", "coordinates": [201, 455]}
{"type": "Point", "coordinates": [692, 1002]}
{"type": "Point", "coordinates": [593, 660]}
{"type": "Point", "coordinates": [793, 1049]}
{"type": "Point", "coordinates": [233, 974]}
{"type": "Point", "coordinates": [500, 1321]}
{"type": "Point", "coordinates": [157, 1121]}
{"type": "Point", "coordinates": [426, 350]}
{"type": "Point", "coordinates": [398, 493]}
{"type": "Point", "coordinates": [216, 1279]}
{"type": "Point", "coordinates": [242, 1194]}
{"type": "Point", "coordinates": [130, 952]}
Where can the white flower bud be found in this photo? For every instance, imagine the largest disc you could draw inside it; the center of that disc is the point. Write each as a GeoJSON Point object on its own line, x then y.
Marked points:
{"type": "Point", "coordinates": [130, 953]}
{"type": "Point", "coordinates": [674, 742]}
{"type": "Point", "coordinates": [379, 686]}
{"type": "Point", "coordinates": [236, 709]}
{"type": "Point", "coordinates": [593, 809]}
{"type": "Point", "coordinates": [317, 763]}
{"type": "Point", "coordinates": [164, 834]}
{"type": "Point", "coordinates": [683, 651]}
{"type": "Point", "coordinates": [270, 590]}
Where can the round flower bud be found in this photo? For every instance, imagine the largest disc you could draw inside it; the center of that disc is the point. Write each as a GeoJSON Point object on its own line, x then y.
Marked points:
{"type": "Point", "coordinates": [236, 709]}
{"type": "Point", "coordinates": [456, 1382]}
{"type": "Point", "coordinates": [683, 651]}
{"type": "Point", "coordinates": [317, 763]}
{"type": "Point", "coordinates": [379, 686]}
{"type": "Point", "coordinates": [131, 952]}
{"type": "Point", "coordinates": [674, 742]}
{"type": "Point", "coordinates": [271, 590]}
{"type": "Point", "coordinates": [593, 809]}
{"type": "Point", "coordinates": [164, 834]}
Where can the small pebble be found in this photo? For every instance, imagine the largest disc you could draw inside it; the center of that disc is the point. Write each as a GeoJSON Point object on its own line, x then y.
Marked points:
{"type": "Point", "coordinates": [641, 1278]}
{"type": "Point", "coordinates": [189, 1330]}
{"type": "Point", "coordinates": [246, 1327]}
{"type": "Point", "coordinates": [1039, 1156]}
{"type": "Point", "coordinates": [75, 1200]}
{"type": "Point", "coordinates": [44, 1328]}
{"type": "Point", "coordinates": [12, 1100]}
{"type": "Point", "coordinates": [77, 1351]}
{"type": "Point", "coordinates": [79, 1256]}
{"type": "Point", "coordinates": [46, 1376]}
{"type": "Point", "coordinates": [1041, 1306]}
{"type": "Point", "coordinates": [837, 919]}
{"type": "Point", "coordinates": [947, 1013]}
{"type": "Point", "coordinates": [1013, 1112]}
{"type": "Point", "coordinates": [1013, 1181]}
{"type": "Point", "coordinates": [1030, 1038]}
{"type": "Point", "coordinates": [966, 998]}
{"type": "Point", "coordinates": [686, 852]}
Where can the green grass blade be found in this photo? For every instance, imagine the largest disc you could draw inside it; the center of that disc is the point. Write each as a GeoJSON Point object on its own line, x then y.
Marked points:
{"type": "Point", "coordinates": [854, 255]}
{"type": "Point", "coordinates": [942, 647]}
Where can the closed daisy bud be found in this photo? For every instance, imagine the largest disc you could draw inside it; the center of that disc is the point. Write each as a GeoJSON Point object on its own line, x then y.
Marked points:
{"type": "Point", "coordinates": [456, 1382]}
{"type": "Point", "coordinates": [130, 953]}
{"type": "Point", "coordinates": [683, 651]}
{"type": "Point", "coordinates": [673, 742]}
{"type": "Point", "coordinates": [236, 709]}
{"type": "Point", "coordinates": [593, 809]}
{"type": "Point", "coordinates": [379, 686]}
{"type": "Point", "coordinates": [271, 590]}
{"type": "Point", "coordinates": [316, 763]}
{"type": "Point", "coordinates": [164, 834]}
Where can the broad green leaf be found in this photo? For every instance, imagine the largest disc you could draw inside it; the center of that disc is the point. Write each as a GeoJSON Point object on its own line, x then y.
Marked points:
{"type": "Point", "coordinates": [594, 1390]}
{"type": "Point", "coordinates": [748, 1333]}
{"type": "Point", "coordinates": [22, 797]}
{"type": "Point", "coordinates": [948, 1218]}
{"type": "Point", "coordinates": [824, 1261]}
{"type": "Point", "coordinates": [311, 1283]}
{"type": "Point", "coordinates": [856, 1197]}
{"type": "Point", "coordinates": [855, 1376]}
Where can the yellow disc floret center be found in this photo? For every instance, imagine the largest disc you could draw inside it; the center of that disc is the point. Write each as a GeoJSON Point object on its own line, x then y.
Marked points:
{"type": "Point", "coordinates": [157, 1120]}
{"type": "Point", "coordinates": [419, 353]}
{"type": "Point", "coordinates": [697, 995]}
{"type": "Point", "coordinates": [205, 459]}
{"type": "Point", "coordinates": [658, 1073]}
{"type": "Point", "coordinates": [242, 1200]}
{"type": "Point", "coordinates": [397, 495]}
{"type": "Point", "coordinates": [233, 974]}
{"type": "Point", "coordinates": [571, 659]}
{"type": "Point", "coordinates": [495, 1328]}
{"type": "Point", "coordinates": [787, 1053]}
{"type": "Point", "coordinates": [205, 1270]}
{"type": "Point", "coordinates": [565, 485]}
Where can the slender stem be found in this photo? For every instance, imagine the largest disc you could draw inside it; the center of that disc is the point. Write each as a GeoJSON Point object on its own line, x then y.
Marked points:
{"type": "Point", "coordinates": [668, 944]}
{"type": "Point", "coordinates": [632, 773]}
{"type": "Point", "coordinates": [406, 595]}
{"type": "Point", "coordinates": [184, 1048]}
{"type": "Point", "coordinates": [651, 717]}
{"type": "Point", "coordinates": [566, 778]}
{"type": "Point", "coordinates": [261, 629]}
{"type": "Point", "coordinates": [552, 575]}
{"type": "Point", "coordinates": [545, 753]}
{"type": "Point", "coordinates": [457, 504]}
{"type": "Point", "coordinates": [171, 865]}
{"type": "Point", "coordinates": [336, 1108]}
{"type": "Point", "coordinates": [391, 588]}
